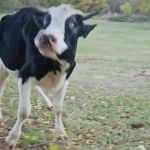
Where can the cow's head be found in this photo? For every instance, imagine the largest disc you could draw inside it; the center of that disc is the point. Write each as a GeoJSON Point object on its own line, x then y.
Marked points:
{"type": "Point", "coordinates": [62, 27]}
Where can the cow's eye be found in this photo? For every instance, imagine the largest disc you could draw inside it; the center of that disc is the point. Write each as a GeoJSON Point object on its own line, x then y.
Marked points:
{"type": "Point", "coordinates": [72, 25]}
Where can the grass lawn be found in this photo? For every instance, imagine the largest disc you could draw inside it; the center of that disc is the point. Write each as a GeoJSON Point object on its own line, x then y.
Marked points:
{"type": "Point", "coordinates": [108, 99]}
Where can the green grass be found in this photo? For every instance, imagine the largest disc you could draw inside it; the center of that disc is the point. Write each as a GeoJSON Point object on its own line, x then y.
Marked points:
{"type": "Point", "coordinates": [115, 41]}
{"type": "Point", "coordinates": [107, 97]}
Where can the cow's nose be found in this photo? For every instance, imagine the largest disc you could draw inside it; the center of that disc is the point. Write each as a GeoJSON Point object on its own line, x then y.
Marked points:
{"type": "Point", "coordinates": [45, 39]}
{"type": "Point", "coordinates": [49, 41]}
{"type": "Point", "coordinates": [52, 39]}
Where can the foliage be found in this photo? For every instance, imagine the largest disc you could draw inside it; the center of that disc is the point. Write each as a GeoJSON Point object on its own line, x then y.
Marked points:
{"type": "Point", "coordinates": [135, 5]}
{"type": "Point", "coordinates": [126, 8]}
{"type": "Point", "coordinates": [140, 6]}
{"type": "Point", "coordinates": [82, 4]}
{"type": "Point", "coordinates": [5, 4]}
{"type": "Point", "coordinates": [54, 147]}
{"type": "Point", "coordinates": [49, 3]}
{"type": "Point", "coordinates": [90, 4]}
{"type": "Point", "coordinates": [145, 7]}
{"type": "Point", "coordinates": [114, 5]}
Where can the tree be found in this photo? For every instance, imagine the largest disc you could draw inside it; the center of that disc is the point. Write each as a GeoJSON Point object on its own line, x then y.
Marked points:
{"type": "Point", "coordinates": [141, 6]}
{"type": "Point", "coordinates": [135, 5]}
{"type": "Point", "coordinates": [114, 5]}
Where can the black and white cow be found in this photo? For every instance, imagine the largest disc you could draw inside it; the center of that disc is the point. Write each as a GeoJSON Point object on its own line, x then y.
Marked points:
{"type": "Point", "coordinates": [39, 46]}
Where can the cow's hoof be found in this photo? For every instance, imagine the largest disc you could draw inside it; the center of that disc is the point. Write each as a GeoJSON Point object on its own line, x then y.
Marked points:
{"type": "Point", "coordinates": [1, 116]}
{"type": "Point", "coordinates": [6, 146]}
{"type": "Point", "coordinates": [10, 143]}
{"type": "Point", "coordinates": [62, 136]}
{"type": "Point", "coordinates": [50, 108]}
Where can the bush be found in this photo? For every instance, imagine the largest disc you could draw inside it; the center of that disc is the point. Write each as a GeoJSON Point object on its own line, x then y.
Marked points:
{"type": "Point", "coordinates": [126, 8]}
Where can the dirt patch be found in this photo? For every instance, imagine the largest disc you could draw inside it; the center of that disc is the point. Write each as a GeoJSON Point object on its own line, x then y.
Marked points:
{"type": "Point", "coordinates": [104, 75]}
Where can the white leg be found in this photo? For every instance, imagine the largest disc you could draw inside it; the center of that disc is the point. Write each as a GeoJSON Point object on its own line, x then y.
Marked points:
{"type": "Point", "coordinates": [3, 75]}
{"type": "Point", "coordinates": [45, 99]}
{"type": "Point", "coordinates": [23, 111]}
{"type": "Point", "coordinates": [58, 106]}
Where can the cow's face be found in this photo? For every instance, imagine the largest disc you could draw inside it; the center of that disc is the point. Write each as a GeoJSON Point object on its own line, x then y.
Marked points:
{"type": "Point", "coordinates": [63, 28]}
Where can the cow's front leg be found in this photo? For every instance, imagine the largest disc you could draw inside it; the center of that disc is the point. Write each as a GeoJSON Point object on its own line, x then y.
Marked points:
{"type": "Point", "coordinates": [58, 108]}
{"type": "Point", "coordinates": [23, 111]}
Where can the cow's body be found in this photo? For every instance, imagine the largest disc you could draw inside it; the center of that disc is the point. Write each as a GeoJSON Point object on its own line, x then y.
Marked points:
{"type": "Point", "coordinates": [13, 46]}
{"type": "Point", "coordinates": [40, 47]}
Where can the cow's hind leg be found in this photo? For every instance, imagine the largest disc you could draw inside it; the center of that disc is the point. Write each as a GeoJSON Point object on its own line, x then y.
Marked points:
{"type": "Point", "coordinates": [45, 99]}
{"type": "Point", "coordinates": [3, 75]}
{"type": "Point", "coordinates": [23, 111]}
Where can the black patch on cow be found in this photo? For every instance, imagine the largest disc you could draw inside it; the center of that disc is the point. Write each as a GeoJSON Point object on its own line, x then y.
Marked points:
{"type": "Point", "coordinates": [70, 69]}
{"type": "Point", "coordinates": [74, 28]}
{"type": "Point", "coordinates": [71, 39]}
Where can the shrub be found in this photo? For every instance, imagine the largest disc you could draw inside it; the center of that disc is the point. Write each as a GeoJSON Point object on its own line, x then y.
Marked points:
{"type": "Point", "coordinates": [126, 8]}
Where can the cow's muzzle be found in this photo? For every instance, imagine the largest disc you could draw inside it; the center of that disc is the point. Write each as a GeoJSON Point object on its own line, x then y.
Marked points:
{"type": "Point", "coordinates": [48, 41]}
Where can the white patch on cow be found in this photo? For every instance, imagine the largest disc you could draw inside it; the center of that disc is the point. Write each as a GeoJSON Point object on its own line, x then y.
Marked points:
{"type": "Point", "coordinates": [59, 15]}
{"type": "Point", "coordinates": [14, 73]}
{"type": "Point", "coordinates": [58, 108]}
{"type": "Point", "coordinates": [23, 111]}
{"type": "Point", "coordinates": [3, 75]}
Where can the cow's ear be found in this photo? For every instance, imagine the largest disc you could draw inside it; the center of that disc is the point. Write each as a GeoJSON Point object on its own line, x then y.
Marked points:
{"type": "Point", "coordinates": [86, 29]}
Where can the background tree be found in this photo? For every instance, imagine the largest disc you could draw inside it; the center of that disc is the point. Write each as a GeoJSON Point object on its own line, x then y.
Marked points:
{"type": "Point", "coordinates": [114, 5]}
{"type": "Point", "coordinates": [125, 7]}
{"type": "Point", "coordinates": [88, 5]}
